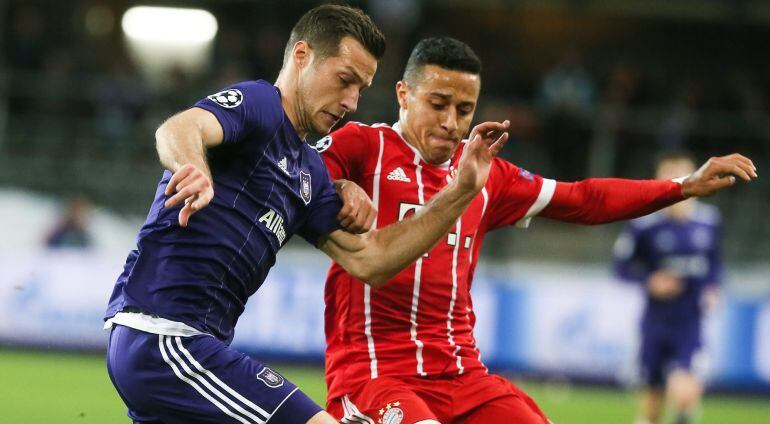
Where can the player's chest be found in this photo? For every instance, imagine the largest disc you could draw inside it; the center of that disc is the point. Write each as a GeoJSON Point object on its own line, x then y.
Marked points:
{"type": "Point", "coordinates": [681, 239]}
{"type": "Point", "coordinates": [403, 187]}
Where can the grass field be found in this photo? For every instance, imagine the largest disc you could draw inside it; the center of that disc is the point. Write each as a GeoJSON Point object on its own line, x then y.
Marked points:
{"type": "Point", "coordinates": [68, 388]}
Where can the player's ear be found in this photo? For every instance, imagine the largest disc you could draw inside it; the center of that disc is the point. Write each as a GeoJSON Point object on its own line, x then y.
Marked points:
{"type": "Point", "coordinates": [302, 53]}
{"type": "Point", "coordinates": [402, 90]}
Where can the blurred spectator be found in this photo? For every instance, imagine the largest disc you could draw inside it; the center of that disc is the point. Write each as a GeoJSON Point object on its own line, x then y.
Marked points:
{"type": "Point", "coordinates": [72, 229]}
{"type": "Point", "coordinates": [675, 254]}
{"type": "Point", "coordinates": [567, 95]}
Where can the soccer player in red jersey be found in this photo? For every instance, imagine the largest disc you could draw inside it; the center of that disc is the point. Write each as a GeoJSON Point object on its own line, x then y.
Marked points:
{"type": "Point", "coordinates": [405, 352]}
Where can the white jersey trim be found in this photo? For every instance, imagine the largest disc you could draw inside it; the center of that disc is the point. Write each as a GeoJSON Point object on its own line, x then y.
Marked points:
{"type": "Point", "coordinates": [450, 314]}
{"type": "Point", "coordinates": [353, 414]}
{"type": "Point", "coordinates": [417, 274]}
{"type": "Point", "coordinates": [213, 395]}
{"type": "Point", "coordinates": [151, 324]}
{"type": "Point", "coordinates": [367, 288]}
{"type": "Point", "coordinates": [543, 199]}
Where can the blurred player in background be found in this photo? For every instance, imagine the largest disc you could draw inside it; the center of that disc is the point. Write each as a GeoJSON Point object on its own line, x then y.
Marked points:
{"type": "Point", "coordinates": [406, 352]}
{"type": "Point", "coordinates": [675, 254]}
{"type": "Point", "coordinates": [239, 162]}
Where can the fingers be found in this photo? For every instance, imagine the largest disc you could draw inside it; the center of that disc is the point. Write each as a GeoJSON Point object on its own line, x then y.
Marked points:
{"type": "Point", "coordinates": [183, 194]}
{"type": "Point", "coordinates": [184, 214]}
{"type": "Point", "coordinates": [202, 200]}
{"type": "Point", "coordinates": [178, 176]}
{"type": "Point", "coordinates": [490, 127]}
{"type": "Point", "coordinates": [498, 145]}
{"type": "Point", "coordinates": [741, 172]}
{"type": "Point", "coordinates": [191, 182]}
{"type": "Point", "coordinates": [720, 183]}
{"type": "Point", "coordinates": [743, 159]}
{"type": "Point", "coordinates": [345, 212]}
{"type": "Point", "coordinates": [369, 222]}
{"type": "Point", "coordinates": [737, 165]}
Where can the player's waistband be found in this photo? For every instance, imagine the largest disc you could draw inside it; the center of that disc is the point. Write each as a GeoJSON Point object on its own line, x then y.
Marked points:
{"type": "Point", "coordinates": [139, 320]}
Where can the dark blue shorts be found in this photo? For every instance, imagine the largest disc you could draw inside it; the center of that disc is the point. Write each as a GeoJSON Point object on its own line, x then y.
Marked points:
{"type": "Point", "coordinates": [663, 352]}
{"type": "Point", "coordinates": [199, 379]}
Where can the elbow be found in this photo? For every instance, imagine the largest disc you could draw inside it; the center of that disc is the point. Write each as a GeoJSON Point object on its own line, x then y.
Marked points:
{"type": "Point", "coordinates": [368, 273]}
{"type": "Point", "coordinates": [370, 277]}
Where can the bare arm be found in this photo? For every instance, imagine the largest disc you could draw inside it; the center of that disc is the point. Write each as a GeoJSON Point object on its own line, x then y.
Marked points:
{"type": "Point", "coordinates": [378, 255]}
{"type": "Point", "coordinates": [603, 200]}
{"type": "Point", "coordinates": [181, 143]}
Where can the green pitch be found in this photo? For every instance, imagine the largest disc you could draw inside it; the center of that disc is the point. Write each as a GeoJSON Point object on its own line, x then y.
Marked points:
{"type": "Point", "coordinates": [67, 388]}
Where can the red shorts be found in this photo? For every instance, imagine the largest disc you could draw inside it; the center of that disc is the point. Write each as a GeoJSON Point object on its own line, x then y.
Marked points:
{"type": "Point", "coordinates": [476, 398]}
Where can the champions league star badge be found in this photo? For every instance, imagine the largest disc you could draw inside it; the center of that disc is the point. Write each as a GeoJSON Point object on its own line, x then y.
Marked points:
{"type": "Point", "coordinates": [271, 378]}
{"type": "Point", "coordinates": [305, 190]}
{"type": "Point", "coordinates": [227, 98]}
{"type": "Point", "coordinates": [321, 145]}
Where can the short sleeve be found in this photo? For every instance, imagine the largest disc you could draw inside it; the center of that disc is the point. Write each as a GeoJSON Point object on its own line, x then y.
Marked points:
{"type": "Point", "coordinates": [345, 151]}
{"type": "Point", "coordinates": [321, 218]}
{"type": "Point", "coordinates": [244, 109]}
{"type": "Point", "coordinates": [516, 195]}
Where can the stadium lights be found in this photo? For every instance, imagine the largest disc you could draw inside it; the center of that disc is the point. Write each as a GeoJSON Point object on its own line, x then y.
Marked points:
{"type": "Point", "coordinates": [169, 25]}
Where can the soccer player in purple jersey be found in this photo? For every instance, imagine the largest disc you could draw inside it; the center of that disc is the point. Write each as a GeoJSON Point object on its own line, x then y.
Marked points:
{"type": "Point", "coordinates": [238, 161]}
{"type": "Point", "coordinates": [675, 253]}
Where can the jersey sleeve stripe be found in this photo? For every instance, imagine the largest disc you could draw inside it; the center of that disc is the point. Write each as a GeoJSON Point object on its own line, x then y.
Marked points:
{"type": "Point", "coordinates": [546, 193]}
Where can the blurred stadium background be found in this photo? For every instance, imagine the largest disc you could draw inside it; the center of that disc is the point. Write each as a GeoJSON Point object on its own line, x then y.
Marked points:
{"type": "Point", "coordinates": [592, 88]}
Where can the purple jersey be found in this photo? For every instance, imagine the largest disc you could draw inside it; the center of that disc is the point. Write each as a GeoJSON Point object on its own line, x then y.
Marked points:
{"type": "Point", "coordinates": [268, 185]}
{"type": "Point", "coordinates": [688, 248]}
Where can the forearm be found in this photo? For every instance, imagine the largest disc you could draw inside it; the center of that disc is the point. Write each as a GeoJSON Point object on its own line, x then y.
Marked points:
{"type": "Point", "coordinates": [396, 246]}
{"type": "Point", "coordinates": [604, 200]}
{"type": "Point", "coordinates": [378, 255]}
{"type": "Point", "coordinates": [179, 142]}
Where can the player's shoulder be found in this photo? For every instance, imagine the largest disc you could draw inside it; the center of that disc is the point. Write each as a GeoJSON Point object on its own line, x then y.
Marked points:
{"type": "Point", "coordinates": [255, 91]}
{"type": "Point", "coordinates": [351, 132]}
{"type": "Point", "coordinates": [706, 214]}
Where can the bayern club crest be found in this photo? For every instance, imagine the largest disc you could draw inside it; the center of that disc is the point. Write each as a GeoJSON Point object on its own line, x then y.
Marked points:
{"type": "Point", "coordinates": [391, 414]}
{"type": "Point", "coordinates": [305, 189]}
{"type": "Point", "coordinates": [271, 378]}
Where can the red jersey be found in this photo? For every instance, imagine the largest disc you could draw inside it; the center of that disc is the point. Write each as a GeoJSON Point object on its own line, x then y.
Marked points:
{"type": "Point", "coordinates": [421, 322]}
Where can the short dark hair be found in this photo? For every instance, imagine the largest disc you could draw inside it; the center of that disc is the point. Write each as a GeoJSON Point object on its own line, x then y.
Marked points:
{"type": "Point", "coordinates": [444, 52]}
{"type": "Point", "coordinates": [323, 28]}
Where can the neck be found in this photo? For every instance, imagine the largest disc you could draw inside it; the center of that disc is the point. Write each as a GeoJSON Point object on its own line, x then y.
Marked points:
{"type": "Point", "coordinates": [290, 101]}
{"type": "Point", "coordinates": [681, 211]}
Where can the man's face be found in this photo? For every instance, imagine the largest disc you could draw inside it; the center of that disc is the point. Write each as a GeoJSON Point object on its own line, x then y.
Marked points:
{"type": "Point", "coordinates": [437, 110]}
{"type": "Point", "coordinates": [330, 87]}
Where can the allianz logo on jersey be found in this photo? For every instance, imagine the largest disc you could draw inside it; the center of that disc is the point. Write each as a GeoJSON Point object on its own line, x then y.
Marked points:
{"type": "Point", "coordinates": [274, 222]}
{"type": "Point", "coordinates": [398, 174]}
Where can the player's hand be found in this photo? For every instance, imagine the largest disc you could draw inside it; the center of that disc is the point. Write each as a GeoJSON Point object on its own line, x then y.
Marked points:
{"type": "Point", "coordinates": [358, 212]}
{"type": "Point", "coordinates": [486, 142]}
{"type": "Point", "coordinates": [664, 285]}
{"type": "Point", "coordinates": [490, 130]}
{"type": "Point", "coordinates": [192, 186]}
{"type": "Point", "coordinates": [718, 173]}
